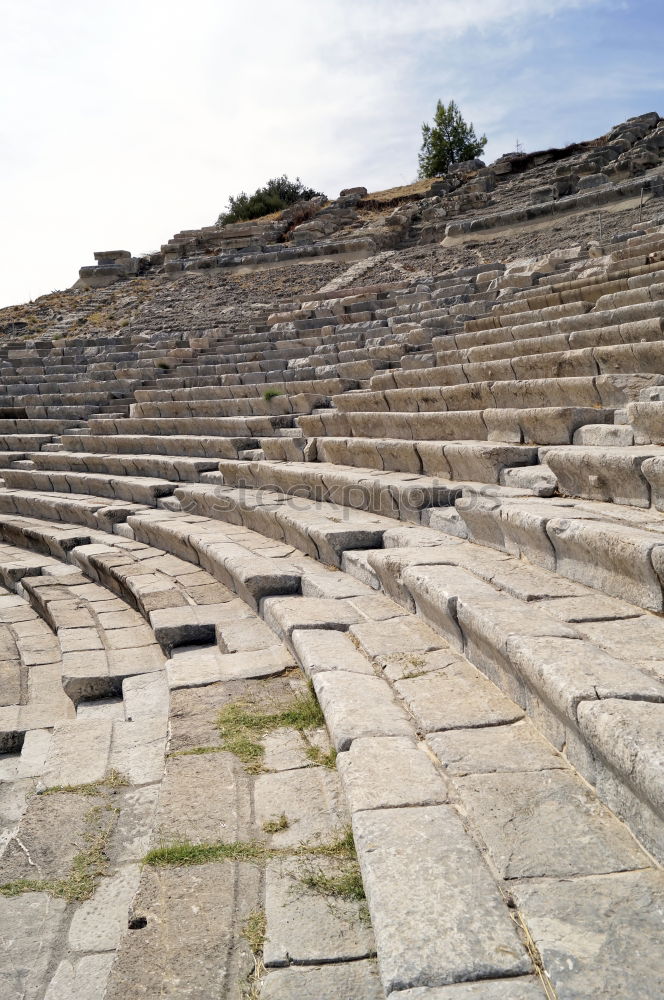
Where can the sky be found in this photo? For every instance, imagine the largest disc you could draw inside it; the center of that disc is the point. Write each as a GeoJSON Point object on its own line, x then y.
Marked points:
{"type": "Point", "coordinates": [123, 123]}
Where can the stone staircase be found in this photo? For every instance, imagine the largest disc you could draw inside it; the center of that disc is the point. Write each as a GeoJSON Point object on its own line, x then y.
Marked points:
{"type": "Point", "coordinates": [331, 633]}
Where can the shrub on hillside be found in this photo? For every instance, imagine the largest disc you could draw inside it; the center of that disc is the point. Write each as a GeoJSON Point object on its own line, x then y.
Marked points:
{"type": "Point", "coordinates": [277, 194]}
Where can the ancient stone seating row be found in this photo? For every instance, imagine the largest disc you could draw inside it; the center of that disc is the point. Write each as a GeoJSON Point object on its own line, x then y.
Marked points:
{"type": "Point", "coordinates": [358, 706]}
{"type": "Point", "coordinates": [492, 607]}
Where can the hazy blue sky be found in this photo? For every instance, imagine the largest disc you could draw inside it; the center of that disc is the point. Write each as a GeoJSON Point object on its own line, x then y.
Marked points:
{"type": "Point", "coordinates": [125, 122]}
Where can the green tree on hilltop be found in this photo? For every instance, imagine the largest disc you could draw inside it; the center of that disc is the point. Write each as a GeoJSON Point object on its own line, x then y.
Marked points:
{"type": "Point", "coordinates": [448, 140]}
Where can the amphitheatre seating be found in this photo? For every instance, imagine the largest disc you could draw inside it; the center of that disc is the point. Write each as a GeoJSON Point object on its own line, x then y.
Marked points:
{"type": "Point", "coordinates": [425, 511]}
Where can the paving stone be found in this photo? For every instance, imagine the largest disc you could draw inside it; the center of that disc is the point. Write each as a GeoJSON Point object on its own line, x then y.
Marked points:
{"type": "Point", "coordinates": [356, 705]}
{"type": "Point", "coordinates": [516, 747]}
{"type": "Point", "coordinates": [538, 823]}
{"type": "Point", "coordinates": [458, 697]}
{"type": "Point", "coordinates": [591, 608]}
{"type": "Point", "coordinates": [188, 810]}
{"type": "Point", "coordinates": [250, 635]}
{"type": "Point", "coordinates": [311, 800]}
{"type": "Point", "coordinates": [400, 635]}
{"type": "Point", "coordinates": [79, 752]}
{"type": "Point", "coordinates": [427, 883]}
{"type": "Point", "coordinates": [598, 936]}
{"type": "Point", "coordinates": [400, 666]}
{"type": "Point", "coordinates": [137, 750]}
{"type": "Point", "coordinates": [84, 978]}
{"type": "Point", "coordinates": [99, 923]}
{"type": "Point", "coordinates": [191, 667]}
{"type": "Point", "coordinates": [344, 981]}
{"type": "Point", "coordinates": [131, 837]}
{"type": "Point", "coordinates": [34, 752]}
{"type": "Point", "coordinates": [523, 988]}
{"type": "Point", "coordinates": [383, 772]}
{"type": "Point", "coordinates": [284, 614]}
{"type": "Point", "coordinates": [130, 638]}
{"type": "Point", "coordinates": [103, 708]}
{"type": "Point", "coordinates": [306, 927]}
{"type": "Point", "coordinates": [325, 649]}
{"type": "Point", "coordinates": [285, 749]}
{"type": "Point", "coordinates": [31, 925]}
{"type": "Point", "coordinates": [637, 640]}
{"type": "Point", "coordinates": [50, 834]}
{"type": "Point", "coordinates": [195, 958]}
{"type": "Point", "coordinates": [145, 696]}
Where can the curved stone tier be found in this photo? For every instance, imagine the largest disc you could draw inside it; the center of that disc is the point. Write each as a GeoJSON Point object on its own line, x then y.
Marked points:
{"type": "Point", "coordinates": [331, 595]}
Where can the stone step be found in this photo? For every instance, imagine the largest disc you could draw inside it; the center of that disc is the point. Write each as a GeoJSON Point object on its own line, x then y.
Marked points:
{"type": "Point", "coordinates": [268, 405]}
{"type": "Point", "coordinates": [501, 349]}
{"type": "Point", "coordinates": [476, 461]}
{"type": "Point", "coordinates": [133, 489]}
{"type": "Point", "coordinates": [616, 474]}
{"type": "Point", "coordinates": [205, 426]}
{"type": "Point", "coordinates": [372, 637]}
{"type": "Point", "coordinates": [621, 359]}
{"type": "Point", "coordinates": [539, 425]}
{"type": "Point", "coordinates": [553, 650]}
{"type": "Point", "coordinates": [615, 550]}
{"type": "Point", "coordinates": [584, 391]}
{"type": "Point", "coordinates": [398, 495]}
{"type": "Point", "coordinates": [156, 445]}
{"type": "Point", "coordinates": [324, 387]}
{"type": "Point", "coordinates": [71, 508]}
{"type": "Point", "coordinates": [173, 468]}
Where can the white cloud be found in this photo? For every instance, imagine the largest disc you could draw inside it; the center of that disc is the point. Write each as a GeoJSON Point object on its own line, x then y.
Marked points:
{"type": "Point", "coordinates": [124, 123]}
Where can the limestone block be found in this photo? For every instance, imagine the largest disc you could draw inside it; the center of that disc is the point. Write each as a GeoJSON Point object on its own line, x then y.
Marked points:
{"type": "Point", "coordinates": [515, 747]}
{"type": "Point", "coordinates": [356, 980]}
{"type": "Point", "coordinates": [546, 823]}
{"type": "Point", "coordinates": [612, 474]}
{"type": "Point", "coordinates": [397, 635]}
{"type": "Point", "coordinates": [356, 705]}
{"type": "Point", "coordinates": [305, 927]}
{"type": "Point", "coordinates": [99, 923]}
{"type": "Point", "coordinates": [84, 978]}
{"type": "Point", "coordinates": [404, 854]}
{"type": "Point", "coordinates": [456, 697]}
{"type": "Point", "coordinates": [284, 614]}
{"type": "Point", "coordinates": [598, 936]}
{"type": "Point", "coordinates": [628, 734]}
{"type": "Point", "coordinates": [32, 924]}
{"type": "Point", "coordinates": [310, 798]}
{"type": "Point", "coordinates": [384, 772]}
{"type": "Point", "coordinates": [326, 649]}
{"type": "Point", "coordinates": [523, 988]}
{"type": "Point", "coordinates": [616, 562]}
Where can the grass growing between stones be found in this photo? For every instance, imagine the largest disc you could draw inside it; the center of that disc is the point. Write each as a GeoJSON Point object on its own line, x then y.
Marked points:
{"type": "Point", "coordinates": [275, 825]}
{"type": "Point", "coordinates": [316, 756]}
{"type": "Point", "coordinates": [87, 867]}
{"type": "Point", "coordinates": [114, 779]}
{"type": "Point", "coordinates": [242, 728]}
{"type": "Point", "coordinates": [183, 853]}
{"type": "Point", "coordinates": [254, 932]}
{"type": "Point", "coordinates": [345, 882]}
